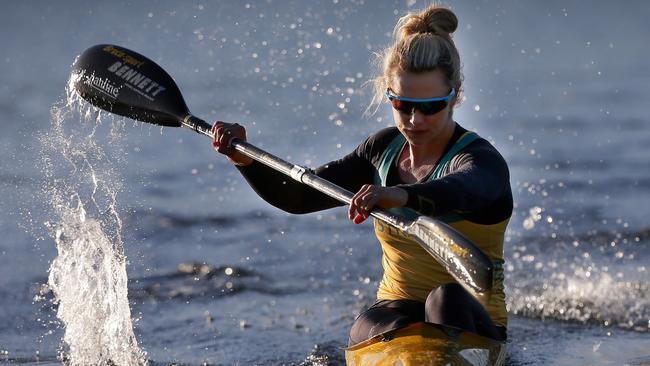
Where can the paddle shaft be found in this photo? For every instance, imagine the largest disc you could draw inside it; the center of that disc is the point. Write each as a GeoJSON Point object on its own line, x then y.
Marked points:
{"type": "Point", "coordinates": [126, 83]}
{"type": "Point", "coordinates": [294, 171]}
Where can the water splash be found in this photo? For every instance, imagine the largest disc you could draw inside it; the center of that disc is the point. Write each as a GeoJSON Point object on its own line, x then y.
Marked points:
{"type": "Point", "coordinates": [82, 165]}
{"type": "Point", "coordinates": [600, 278]}
{"type": "Point", "coordinates": [327, 354]}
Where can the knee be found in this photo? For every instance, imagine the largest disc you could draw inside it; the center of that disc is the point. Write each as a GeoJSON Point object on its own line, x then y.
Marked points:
{"type": "Point", "coordinates": [447, 295]}
{"type": "Point", "coordinates": [360, 329]}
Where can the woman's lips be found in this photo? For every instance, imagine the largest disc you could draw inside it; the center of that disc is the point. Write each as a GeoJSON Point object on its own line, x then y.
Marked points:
{"type": "Point", "coordinates": [415, 132]}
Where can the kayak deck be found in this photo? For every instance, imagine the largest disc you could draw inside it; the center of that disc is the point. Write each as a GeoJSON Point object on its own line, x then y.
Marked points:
{"type": "Point", "coordinates": [424, 344]}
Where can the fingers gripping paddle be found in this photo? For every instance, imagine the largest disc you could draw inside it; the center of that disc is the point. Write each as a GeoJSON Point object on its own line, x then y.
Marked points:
{"type": "Point", "coordinates": [124, 82]}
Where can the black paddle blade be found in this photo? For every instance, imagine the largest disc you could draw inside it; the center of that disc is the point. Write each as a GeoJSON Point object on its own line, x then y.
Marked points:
{"type": "Point", "coordinates": [124, 82]}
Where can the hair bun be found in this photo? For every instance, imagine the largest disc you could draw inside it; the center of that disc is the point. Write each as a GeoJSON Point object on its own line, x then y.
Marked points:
{"type": "Point", "coordinates": [422, 43]}
{"type": "Point", "coordinates": [434, 19]}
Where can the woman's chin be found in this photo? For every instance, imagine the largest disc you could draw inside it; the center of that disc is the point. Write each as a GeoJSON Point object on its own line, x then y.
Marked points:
{"type": "Point", "coordinates": [417, 138]}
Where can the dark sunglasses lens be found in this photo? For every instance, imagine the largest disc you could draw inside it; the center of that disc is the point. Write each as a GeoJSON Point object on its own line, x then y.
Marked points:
{"type": "Point", "coordinates": [430, 108]}
{"type": "Point", "coordinates": [426, 108]}
{"type": "Point", "coordinates": [403, 106]}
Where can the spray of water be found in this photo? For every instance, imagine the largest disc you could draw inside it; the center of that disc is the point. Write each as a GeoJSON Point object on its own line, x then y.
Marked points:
{"type": "Point", "coordinates": [597, 278]}
{"type": "Point", "coordinates": [82, 159]}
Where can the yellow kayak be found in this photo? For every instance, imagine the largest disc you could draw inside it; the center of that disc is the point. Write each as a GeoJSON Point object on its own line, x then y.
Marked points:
{"type": "Point", "coordinates": [423, 344]}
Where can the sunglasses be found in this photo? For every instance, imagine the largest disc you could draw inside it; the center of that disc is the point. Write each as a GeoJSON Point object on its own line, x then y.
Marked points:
{"type": "Point", "coordinates": [428, 107]}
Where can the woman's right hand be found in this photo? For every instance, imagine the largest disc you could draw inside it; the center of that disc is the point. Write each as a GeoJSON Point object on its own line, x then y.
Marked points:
{"type": "Point", "coordinates": [222, 133]}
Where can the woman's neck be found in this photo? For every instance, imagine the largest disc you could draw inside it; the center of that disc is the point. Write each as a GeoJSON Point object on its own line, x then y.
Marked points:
{"type": "Point", "coordinates": [430, 153]}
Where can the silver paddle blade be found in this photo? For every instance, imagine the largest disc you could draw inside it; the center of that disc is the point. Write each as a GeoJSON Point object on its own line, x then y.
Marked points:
{"type": "Point", "coordinates": [469, 265]}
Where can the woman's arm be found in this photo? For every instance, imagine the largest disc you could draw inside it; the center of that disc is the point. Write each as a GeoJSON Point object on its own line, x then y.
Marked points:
{"type": "Point", "coordinates": [283, 192]}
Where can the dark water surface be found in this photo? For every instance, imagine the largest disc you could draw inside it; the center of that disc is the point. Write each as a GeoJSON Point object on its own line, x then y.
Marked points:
{"type": "Point", "coordinates": [216, 275]}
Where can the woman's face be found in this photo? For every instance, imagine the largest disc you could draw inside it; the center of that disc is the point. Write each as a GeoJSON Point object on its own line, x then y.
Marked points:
{"type": "Point", "coordinates": [420, 129]}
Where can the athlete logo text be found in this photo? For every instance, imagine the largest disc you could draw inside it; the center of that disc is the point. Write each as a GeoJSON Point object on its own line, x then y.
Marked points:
{"type": "Point", "coordinates": [136, 81]}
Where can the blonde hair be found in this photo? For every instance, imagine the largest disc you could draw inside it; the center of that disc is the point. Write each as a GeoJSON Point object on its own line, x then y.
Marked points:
{"type": "Point", "coordinates": [423, 42]}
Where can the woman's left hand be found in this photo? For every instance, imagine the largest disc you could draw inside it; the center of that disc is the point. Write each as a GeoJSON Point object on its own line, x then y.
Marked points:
{"type": "Point", "coordinates": [371, 195]}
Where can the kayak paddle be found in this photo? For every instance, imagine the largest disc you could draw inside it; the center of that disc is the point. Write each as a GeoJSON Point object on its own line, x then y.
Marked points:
{"type": "Point", "coordinates": [124, 82]}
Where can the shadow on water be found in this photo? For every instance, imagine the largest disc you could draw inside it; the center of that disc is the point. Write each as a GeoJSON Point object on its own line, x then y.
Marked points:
{"type": "Point", "coordinates": [170, 220]}
{"type": "Point", "coordinates": [199, 280]}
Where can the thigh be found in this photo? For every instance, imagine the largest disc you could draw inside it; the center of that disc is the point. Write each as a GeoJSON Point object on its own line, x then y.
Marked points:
{"type": "Point", "coordinates": [384, 316]}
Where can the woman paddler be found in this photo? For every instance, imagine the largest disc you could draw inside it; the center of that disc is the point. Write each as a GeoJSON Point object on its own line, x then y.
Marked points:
{"type": "Point", "coordinates": [426, 165]}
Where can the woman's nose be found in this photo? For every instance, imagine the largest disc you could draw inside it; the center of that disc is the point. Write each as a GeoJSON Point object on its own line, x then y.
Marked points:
{"type": "Point", "coordinates": [416, 117]}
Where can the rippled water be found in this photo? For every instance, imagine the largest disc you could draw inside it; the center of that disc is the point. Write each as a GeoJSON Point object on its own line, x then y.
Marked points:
{"type": "Point", "coordinates": [123, 241]}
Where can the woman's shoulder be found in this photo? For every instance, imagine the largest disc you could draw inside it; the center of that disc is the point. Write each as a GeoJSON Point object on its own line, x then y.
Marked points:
{"type": "Point", "coordinates": [480, 153]}
{"type": "Point", "coordinates": [482, 146]}
{"type": "Point", "coordinates": [479, 150]}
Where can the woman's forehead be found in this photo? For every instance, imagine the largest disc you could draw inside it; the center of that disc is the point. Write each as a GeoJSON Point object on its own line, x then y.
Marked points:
{"type": "Point", "coordinates": [419, 84]}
